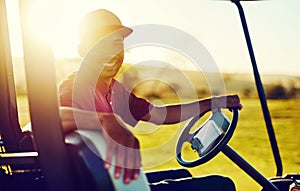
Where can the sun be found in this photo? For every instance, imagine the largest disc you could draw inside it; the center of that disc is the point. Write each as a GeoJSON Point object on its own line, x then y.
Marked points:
{"type": "Point", "coordinates": [55, 21]}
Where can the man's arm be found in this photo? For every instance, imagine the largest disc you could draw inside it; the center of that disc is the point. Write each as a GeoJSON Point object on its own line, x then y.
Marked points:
{"type": "Point", "coordinates": [121, 143]}
{"type": "Point", "coordinates": [170, 114]}
{"type": "Point", "coordinates": [73, 119]}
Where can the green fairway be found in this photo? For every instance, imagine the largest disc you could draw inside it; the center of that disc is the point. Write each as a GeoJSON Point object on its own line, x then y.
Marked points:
{"type": "Point", "coordinates": [249, 140]}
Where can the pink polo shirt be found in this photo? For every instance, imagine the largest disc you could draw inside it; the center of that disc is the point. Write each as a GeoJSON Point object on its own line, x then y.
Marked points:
{"type": "Point", "coordinates": [109, 99]}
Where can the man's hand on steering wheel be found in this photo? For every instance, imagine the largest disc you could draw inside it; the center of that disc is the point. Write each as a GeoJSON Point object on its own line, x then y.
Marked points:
{"type": "Point", "coordinates": [229, 101]}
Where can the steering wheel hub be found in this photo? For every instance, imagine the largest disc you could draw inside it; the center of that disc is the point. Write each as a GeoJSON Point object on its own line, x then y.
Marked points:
{"type": "Point", "coordinates": [209, 138]}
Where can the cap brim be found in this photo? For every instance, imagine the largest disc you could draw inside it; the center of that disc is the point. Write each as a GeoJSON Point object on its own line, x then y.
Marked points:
{"type": "Point", "coordinates": [124, 31]}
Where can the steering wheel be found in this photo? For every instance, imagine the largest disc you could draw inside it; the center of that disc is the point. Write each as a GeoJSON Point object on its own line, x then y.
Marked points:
{"type": "Point", "coordinates": [209, 138]}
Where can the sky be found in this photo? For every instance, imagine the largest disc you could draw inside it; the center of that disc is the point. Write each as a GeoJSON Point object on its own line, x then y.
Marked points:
{"type": "Point", "coordinates": [274, 29]}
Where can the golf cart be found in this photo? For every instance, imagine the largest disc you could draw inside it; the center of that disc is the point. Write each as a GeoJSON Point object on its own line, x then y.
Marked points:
{"type": "Point", "coordinates": [45, 159]}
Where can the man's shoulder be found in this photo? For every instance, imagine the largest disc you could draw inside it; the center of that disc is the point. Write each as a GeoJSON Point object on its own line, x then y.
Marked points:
{"type": "Point", "coordinates": [71, 76]}
{"type": "Point", "coordinates": [118, 86]}
{"type": "Point", "coordinates": [69, 79]}
{"type": "Point", "coordinates": [67, 84]}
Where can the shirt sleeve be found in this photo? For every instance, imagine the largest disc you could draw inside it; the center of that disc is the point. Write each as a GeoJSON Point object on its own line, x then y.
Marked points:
{"type": "Point", "coordinates": [130, 107]}
{"type": "Point", "coordinates": [65, 93]}
{"type": "Point", "coordinates": [139, 107]}
{"type": "Point", "coordinates": [77, 94]}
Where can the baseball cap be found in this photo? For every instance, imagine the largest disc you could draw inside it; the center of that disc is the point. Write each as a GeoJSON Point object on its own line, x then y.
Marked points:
{"type": "Point", "coordinates": [99, 23]}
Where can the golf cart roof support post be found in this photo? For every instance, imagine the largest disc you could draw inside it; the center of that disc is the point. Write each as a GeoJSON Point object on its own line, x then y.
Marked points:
{"type": "Point", "coordinates": [43, 105]}
{"type": "Point", "coordinates": [239, 161]}
{"type": "Point", "coordinates": [260, 91]}
{"type": "Point", "coordinates": [9, 125]}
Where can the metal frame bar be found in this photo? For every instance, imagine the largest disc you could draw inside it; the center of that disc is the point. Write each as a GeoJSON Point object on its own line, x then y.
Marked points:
{"type": "Point", "coordinates": [23, 158]}
{"type": "Point", "coordinates": [43, 106]}
{"type": "Point", "coordinates": [260, 91]}
{"type": "Point", "coordinates": [243, 164]}
{"type": "Point", "coordinates": [9, 125]}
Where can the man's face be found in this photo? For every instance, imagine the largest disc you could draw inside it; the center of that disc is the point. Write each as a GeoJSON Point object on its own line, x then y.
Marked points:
{"type": "Point", "coordinates": [111, 68]}
{"type": "Point", "coordinates": [108, 52]}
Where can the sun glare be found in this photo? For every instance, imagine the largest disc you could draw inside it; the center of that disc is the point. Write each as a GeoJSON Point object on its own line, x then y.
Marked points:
{"type": "Point", "coordinates": [54, 21]}
{"type": "Point", "coordinates": [57, 22]}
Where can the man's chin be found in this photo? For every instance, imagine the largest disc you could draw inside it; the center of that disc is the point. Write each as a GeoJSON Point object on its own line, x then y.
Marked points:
{"type": "Point", "coordinates": [108, 75]}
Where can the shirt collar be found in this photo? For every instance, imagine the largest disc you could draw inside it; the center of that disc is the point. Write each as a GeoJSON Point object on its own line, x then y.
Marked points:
{"type": "Point", "coordinates": [103, 88]}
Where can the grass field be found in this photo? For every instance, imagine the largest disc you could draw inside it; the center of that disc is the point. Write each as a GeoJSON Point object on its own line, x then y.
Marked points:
{"type": "Point", "coordinates": [250, 140]}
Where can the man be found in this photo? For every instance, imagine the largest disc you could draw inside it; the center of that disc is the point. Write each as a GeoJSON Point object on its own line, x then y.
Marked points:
{"type": "Point", "coordinates": [93, 89]}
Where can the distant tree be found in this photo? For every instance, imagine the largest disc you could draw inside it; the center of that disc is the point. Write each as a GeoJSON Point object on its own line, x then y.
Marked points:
{"type": "Point", "coordinates": [227, 77]}
{"type": "Point", "coordinates": [202, 93]}
{"type": "Point", "coordinates": [277, 91]}
{"type": "Point", "coordinates": [293, 90]}
{"type": "Point", "coordinates": [153, 95]}
{"type": "Point", "coordinates": [247, 92]}
{"type": "Point", "coordinates": [128, 75]}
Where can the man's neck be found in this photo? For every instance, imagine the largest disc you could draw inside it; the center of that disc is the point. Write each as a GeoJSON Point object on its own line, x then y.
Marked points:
{"type": "Point", "coordinates": [106, 81]}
